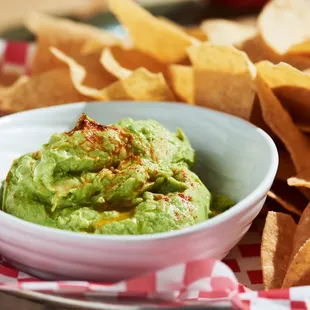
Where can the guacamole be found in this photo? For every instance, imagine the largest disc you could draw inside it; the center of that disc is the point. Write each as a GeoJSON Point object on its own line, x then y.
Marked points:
{"type": "Point", "coordinates": [128, 178]}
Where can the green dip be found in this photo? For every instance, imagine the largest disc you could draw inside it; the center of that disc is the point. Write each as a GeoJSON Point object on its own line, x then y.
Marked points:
{"type": "Point", "coordinates": [130, 178]}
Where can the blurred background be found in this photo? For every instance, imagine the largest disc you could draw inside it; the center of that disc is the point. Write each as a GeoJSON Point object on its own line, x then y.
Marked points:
{"type": "Point", "coordinates": [95, 12]}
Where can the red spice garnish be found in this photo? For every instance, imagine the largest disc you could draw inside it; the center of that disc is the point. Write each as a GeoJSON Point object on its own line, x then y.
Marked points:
{"type": "Point", "coordinates": [85, 123]}
{"type": "Point", "coordinates": [36, 155]}
{"type": "Point", "coordinates": [90, 129]}
{"type": "Point", "coordinates": [153, 154]}
{"type": "Point", "coordinates": [191, 212]}
{"type": "Point", "coordinates": [8, 178]}
{"type": "Point", "coordinates": [166, 199]}
{"type": "Point", "coordinates": [182, 196]}
{"type": "Point", "coordinates": [93, 138]}
{"type": "Point", "coordinates": [187, 198]}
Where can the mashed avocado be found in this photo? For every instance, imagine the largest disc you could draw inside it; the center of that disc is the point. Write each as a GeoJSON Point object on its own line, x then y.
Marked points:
{"type": "Point", "coordinates": [129, 178]}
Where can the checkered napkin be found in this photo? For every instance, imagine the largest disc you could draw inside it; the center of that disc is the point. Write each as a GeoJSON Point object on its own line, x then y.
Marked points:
{"type": "Point", "coordinates": [206, 282]}
{"type": "Point", "coordinates": [202, 282]}
{"type": "Point", "coordinates": [15, 57]}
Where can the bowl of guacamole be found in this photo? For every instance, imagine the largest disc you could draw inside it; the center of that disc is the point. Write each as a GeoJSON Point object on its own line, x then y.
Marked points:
{"type": "Point", "coordinates": [107, 191]}
{"type": "Point", "coordinates": [129, 178]}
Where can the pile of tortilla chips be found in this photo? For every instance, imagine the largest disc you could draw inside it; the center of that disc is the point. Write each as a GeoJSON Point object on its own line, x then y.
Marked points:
{"type": "Point", "coordinates": [286, 250]}
{"type": "Point", "coordinates": [254, 68]}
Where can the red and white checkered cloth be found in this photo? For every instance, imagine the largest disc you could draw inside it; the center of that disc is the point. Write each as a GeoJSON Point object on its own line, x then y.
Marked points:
{"type": "Point", "coordinates": [15, 57]}
{"type": "Point", "coordinates": [205, 282]}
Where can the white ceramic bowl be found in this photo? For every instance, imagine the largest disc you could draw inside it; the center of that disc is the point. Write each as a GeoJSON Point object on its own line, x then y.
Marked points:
{"type": "Point", "coordinates": [233, 157]}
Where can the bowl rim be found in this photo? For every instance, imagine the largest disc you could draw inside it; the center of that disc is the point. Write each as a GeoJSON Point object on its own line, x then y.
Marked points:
{"type": "Point", "coordinates": [254, 197]}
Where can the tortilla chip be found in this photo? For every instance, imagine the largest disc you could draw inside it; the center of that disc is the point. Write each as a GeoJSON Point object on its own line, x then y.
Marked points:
{"type": "Point", "coordinates": [7, 91]}
{"type": "Point", "coordinates": [182, 80]}
{"type": "Point", "coordinates": [20, 81]}
{"type": "Point", "coordinates": [63, 34]}
{"type": "Point", "coordinates": [305, 191]}
{"type": "Point", "coordinates": [282, 124]}
{"type": "Point", "coordinates": [299, 62]}
{"type": "Point", "coordinates": [226, 32]}
{"type": "Point", "coordinates": [291, 86]}
{"type": "Point", "coordinates": [301, 180]}
{"type": "Point", "coordinates": [47, 89]}
{"type": "Point", "coordinates": [286, 167]}
{"type": "Point", "coordinates": [111, 65]}
{"type": "Point", "coordinates": [300, 49]}
{"type": "Point", "coordinates": [276, 248]}
{"type": "Point", "coordinates": [90, 8]}
{"type": "Point", "coordinates": [258, 120]}
{"type": "Point", "coordinates": [286, 197]}
{"type": "Point", "coordinates": [78, 74]}
{"type": "Point", "coordinates": [298, 273]}
{"type": "Point", "coordinates": [284, 24]}
{"type": "Point", "coordinates": [223, 79]}
{"type": "Point", "coordinates": [304, 127]}
{"type": "Point", "coordinates": [92, 46]}
{"type": "Point", "coordinates": [194, 31]}
{"type": "Point", "coordinates": [302, 233]}
{"type": "Point", "coordinates": [307, 71]}
{"type": "Point", "coordinates": [8, 78]}
{"type": "Point", "coordinates": [59, 29]}
{"type": "Point", "coordinates": [298, 182]}
{"type": "Point", "coordinates": [151, 35]}
{"type": "Point", "coordinates": [286, 205]}
{"type": "Point", "coordinates": [132, 59]}
{"type": "Point", "coordinates": [140, 85]}
{"type": "Point", "coordinates": [95, 75]}
{"type": "Point", "coordinates": [257, 51]}
{"type": "Point", "coordinates": [250, 20]}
